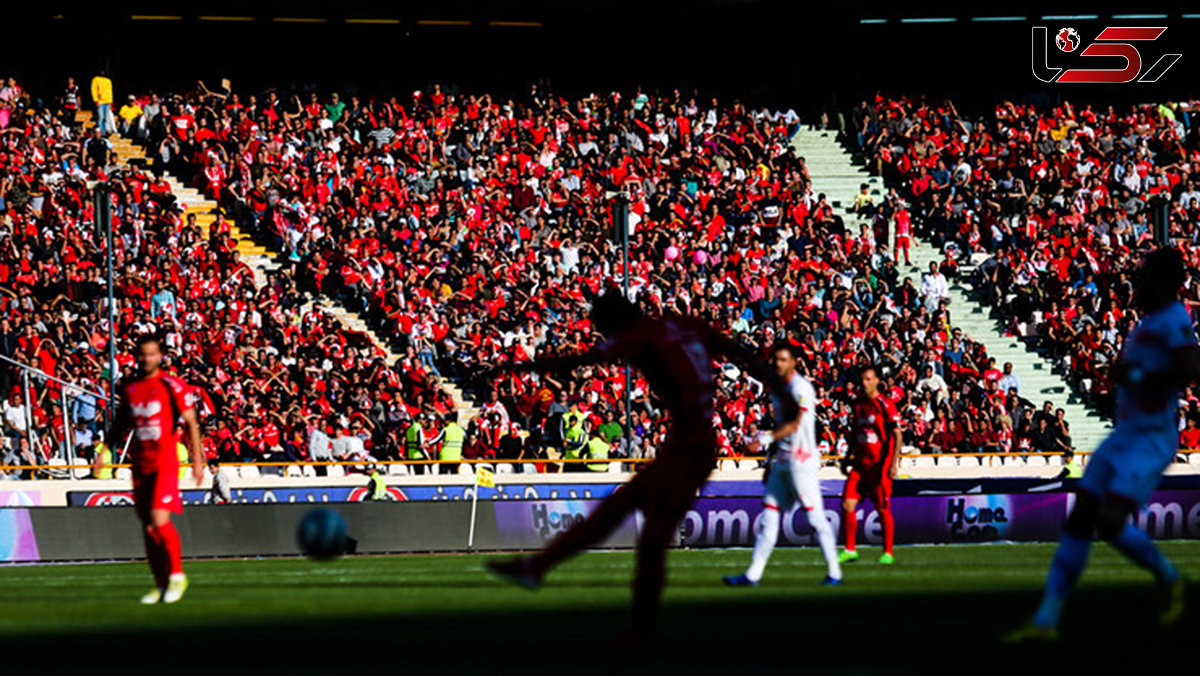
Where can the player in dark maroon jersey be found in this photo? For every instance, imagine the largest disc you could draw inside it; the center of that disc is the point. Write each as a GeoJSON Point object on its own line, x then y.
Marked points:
{"type": "Point", "coordinates": [150, 407]}
{"type": "Point", "coordinates": [676, 356]}
{"type": "Point", "coordinates": [874, 460]}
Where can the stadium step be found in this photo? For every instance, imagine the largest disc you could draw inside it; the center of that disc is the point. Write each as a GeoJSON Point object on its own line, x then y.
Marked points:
{"type": "Point", "coordinates": [834, 173]}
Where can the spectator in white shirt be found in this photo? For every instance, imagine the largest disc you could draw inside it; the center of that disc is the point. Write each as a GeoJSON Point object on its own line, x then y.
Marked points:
{"type": "Point", "coordinates": [1009, 381]}
{"type": "Point", "coordinates": [1186, 197]}
{"type": "Point", "coordinates": [932, 382]}
{"type": "Point", "coordinates": [934, 287]}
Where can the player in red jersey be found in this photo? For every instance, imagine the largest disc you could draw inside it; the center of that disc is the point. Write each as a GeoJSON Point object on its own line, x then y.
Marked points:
{"type": "Point", "coordinates": [676, 356]}
{"type": "Point", "coordinates": [150, 407]}
{"type": "Point", "coordinates": [874, 459]}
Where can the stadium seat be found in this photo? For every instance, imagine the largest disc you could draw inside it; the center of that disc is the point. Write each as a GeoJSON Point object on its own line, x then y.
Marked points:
{"type": "Point", "coordinates": [1054, 461]}
{"type": "Point", "coordinates": [923, 462]}
{"type": "Point", "coordinates": [466, 469]}
{"type": "Point", "coordinates": [947, 461]}
{"type": "Point", "coordinates": [309, 470]}
{"type": "Point", "coordinates": [249, 472]}
{"type": "Point", "coordinates": [397, 470]}
{"type": "Point", "coordinates": [1036, 461]}
{"type": "Point", "coordinates": [727, 465]}
{"type": "Point", "coordinates": [907, 463]}
{"type": "Point", "coordinates": [968, 461]}
{"type": "Point", "coordinates": [292, 471]}
{"type": "Point", "coordinates": [747, 465]}
{"type": "Point", "coordinates": [1194, 458]}
{"type": "Point", "coordinates": [336, 470]}
{"type": "Point", "coordinates": [1013, 461]}
{"type": "Point", "coordinates": [123, 474]}
{"type": "Point", "coordinates": [614, 468]}
{"type": "Point", "coordinates": [504, 468]}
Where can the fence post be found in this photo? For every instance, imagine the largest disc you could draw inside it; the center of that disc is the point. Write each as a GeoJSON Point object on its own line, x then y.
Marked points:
{"type": "Point", "coordinates": [68, 436]}
{"type": "Point", "coordinates": [28, 412]}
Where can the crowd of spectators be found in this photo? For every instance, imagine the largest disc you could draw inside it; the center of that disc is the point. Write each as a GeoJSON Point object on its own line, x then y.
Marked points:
{"type": "Point", "coordinates": [1055, 205]}
{"type": "Point", "coordinates": [475, 230]}
{"type": "Point", "coordinates": [267, 367]}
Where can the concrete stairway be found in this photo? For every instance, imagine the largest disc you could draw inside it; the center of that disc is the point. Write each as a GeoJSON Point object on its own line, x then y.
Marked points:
{"type": "Point", "coordinates": [833, 172]}
{"type": "Point", "coordinates": [262, 260]}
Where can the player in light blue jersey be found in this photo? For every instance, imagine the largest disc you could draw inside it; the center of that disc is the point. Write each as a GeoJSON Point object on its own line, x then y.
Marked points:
{"type": "Point", "coordinates": [1160, 357]}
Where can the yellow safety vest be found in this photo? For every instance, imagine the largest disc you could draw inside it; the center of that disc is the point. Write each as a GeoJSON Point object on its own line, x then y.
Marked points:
{"type": "Point", "coordinates": [598, 450]}
{"type": "Point", "coordinates": [185, 462]}
{"type": "Point", "coordinates": [412, 443]}
{"type": "Point", "coordinates": [452, 442]}
{"type": "Point", "coordinates": [380, 484]}
{"type": "Point", "coordinates": [1074, 469]}
{"type": "Point", "coordinates": [106, 458]}
{"type": "Point", "coordinates": [574, 435]}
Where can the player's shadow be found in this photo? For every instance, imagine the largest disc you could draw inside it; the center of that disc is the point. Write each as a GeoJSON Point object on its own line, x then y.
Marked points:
{"type": "Point", "coordinates": [926, 631]}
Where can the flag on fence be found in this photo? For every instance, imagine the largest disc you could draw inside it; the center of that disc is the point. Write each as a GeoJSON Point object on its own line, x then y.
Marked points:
{"type": "Point", "coordinates": [484, 477]}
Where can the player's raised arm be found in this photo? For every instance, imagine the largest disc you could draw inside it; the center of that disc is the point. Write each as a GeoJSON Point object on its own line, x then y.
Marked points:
{"type": "Point", "coordinates": [549, 364]}
{"type": "Point", "coordinates": [789, 409]}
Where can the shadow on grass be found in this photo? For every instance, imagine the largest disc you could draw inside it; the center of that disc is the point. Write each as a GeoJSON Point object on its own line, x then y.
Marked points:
{"type": "Point", "coordinates": [927, 632]}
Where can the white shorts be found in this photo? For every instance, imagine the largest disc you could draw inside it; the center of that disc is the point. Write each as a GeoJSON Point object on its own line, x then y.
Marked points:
{"type": "Point", "coordinates": [790, 483]}
{"type": "Point", "coordinates": [1129, 464]}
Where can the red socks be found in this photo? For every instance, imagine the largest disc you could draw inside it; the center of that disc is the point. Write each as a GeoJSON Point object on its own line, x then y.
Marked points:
{"type": "Point", "coordinates": [154, 556]}
{"type": "Point", "coordinates": [172, 551]}
{"type": "Point", "coordinates": [850, 527]}
{"type": "Point", "coordinates": [889, 529]}
{"type": "Point", "coordinates": [163, 552]}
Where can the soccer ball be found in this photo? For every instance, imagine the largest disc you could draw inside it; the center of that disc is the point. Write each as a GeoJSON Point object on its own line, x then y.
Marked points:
{"type": "Point", "coordinates": [1067, 40]}
{"type": "Point", "coordinates": [322, 534]}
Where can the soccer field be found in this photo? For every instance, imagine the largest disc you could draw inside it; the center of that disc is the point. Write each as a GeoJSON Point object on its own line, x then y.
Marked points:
{"type": "Point", "coordinates": [936, 607]}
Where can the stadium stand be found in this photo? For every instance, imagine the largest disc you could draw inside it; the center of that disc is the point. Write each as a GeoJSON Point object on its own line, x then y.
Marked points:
{"type": "Point", "coordinates": [470, 232]}
{"type": "Point", "coordinates": [1049, 208]}
{"type": "Point", "coordinates": [475, 231]}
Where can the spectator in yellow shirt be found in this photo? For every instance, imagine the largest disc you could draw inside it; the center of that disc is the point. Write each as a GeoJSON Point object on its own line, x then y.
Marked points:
{"type": "Point", "coordinates": [102, 96]}
{"type": "Point", "coordinates": [129, 114]}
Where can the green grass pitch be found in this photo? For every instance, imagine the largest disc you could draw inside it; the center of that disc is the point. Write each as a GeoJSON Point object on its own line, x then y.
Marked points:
{"type": "Point", "coordinates": [938, 609]}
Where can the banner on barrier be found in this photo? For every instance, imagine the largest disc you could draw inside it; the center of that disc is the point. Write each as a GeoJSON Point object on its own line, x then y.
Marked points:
{"type": "Point", "coordinates": [242, 496]}
{"type": "Point", "coordinates": [510, 489]}
{"type": "Point", "coordinates": [530, 524]}
{"type": "Point", "coordinates": [723, 522]}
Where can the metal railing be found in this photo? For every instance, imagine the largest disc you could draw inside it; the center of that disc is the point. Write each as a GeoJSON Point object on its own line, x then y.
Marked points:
{"type": "Point", "coordinates": [67, 390]}
{"type": "Point", "coordinates": [829, 460]}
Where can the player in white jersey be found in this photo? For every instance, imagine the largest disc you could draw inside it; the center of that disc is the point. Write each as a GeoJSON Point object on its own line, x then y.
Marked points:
{"type": "Point", "coordinates": [793, 461]}
{"type": "Point", "coordinates": [1160, 357]}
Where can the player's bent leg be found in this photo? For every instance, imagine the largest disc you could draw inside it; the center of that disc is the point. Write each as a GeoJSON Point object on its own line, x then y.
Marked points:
{"type": "Point", "coordinates": [661, 524]}
{"type": "Point", "coordinates": [766, 534]}
{"type": "Point", "coordinates": [1114, 525]}
{"type": "Point", "coordinates": [884, 504]}
{"type": "Point", "coordinates": [849, 530]}
{"type": "Point", "coordinates": [171, 553]}
{"type": "Point", "coordinates": [158, 567]}
{"type": "Point", "coordinates": [608, 515]}
{"type": "Point", "coordinates": [808, 489]}
{"type": "Point", "coordinates": [1069, 561]}
{"type": "Point", "coordinates": [778, 497]}
{"type": "Point", "coordinates": [827, 541]}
